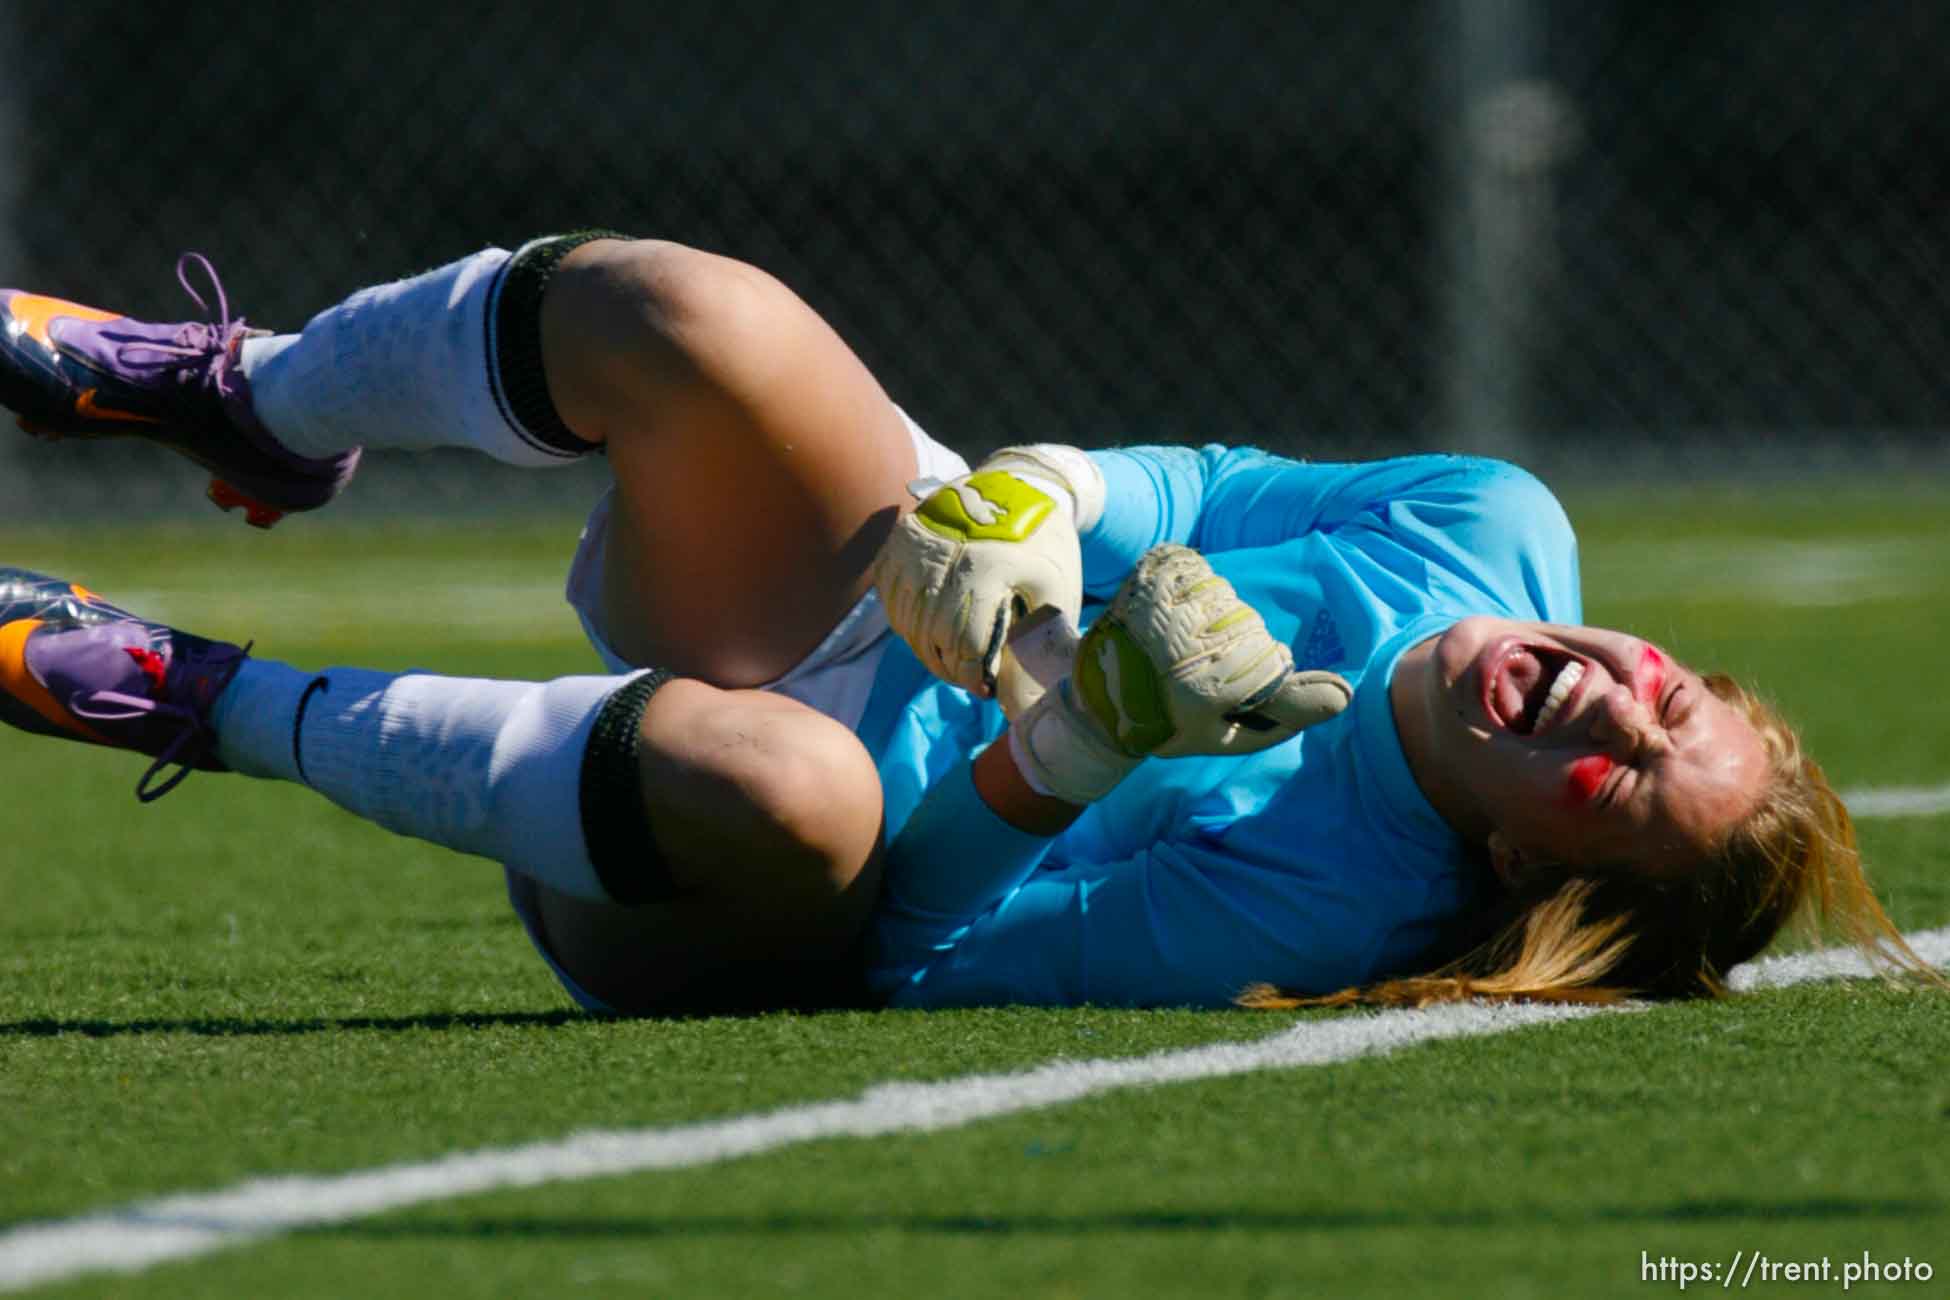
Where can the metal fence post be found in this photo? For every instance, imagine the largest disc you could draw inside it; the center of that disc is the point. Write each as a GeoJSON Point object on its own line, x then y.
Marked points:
{"type": "Point", "coordinates": [1507, 128]}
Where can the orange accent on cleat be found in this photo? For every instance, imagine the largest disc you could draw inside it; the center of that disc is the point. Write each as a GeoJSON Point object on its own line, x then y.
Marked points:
{"type": "Point", "coordinates": [226, 497]}
{"type": "Point", "coordinates": [18, 681]}
{"type": "Point", "coordinates": [35, 312]}
{"type": "Point", "coordinates": [88, 408]}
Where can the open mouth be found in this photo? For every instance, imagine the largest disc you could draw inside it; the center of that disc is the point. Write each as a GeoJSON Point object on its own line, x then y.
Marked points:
{"type": "Point", "coordinates": [1527, 687]}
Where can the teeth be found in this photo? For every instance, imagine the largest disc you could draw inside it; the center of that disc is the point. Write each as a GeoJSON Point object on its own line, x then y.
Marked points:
{"type": "Point", "coordinates": [1561, 689]}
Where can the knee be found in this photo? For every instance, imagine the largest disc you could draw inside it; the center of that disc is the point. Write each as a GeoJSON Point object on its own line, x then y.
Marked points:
{"type": "Point", "coordinates": [762, 801]}
{"type": "Point", "coordinates": [631, 323]}
{"type": "Point", "coordinates": [818, 796]}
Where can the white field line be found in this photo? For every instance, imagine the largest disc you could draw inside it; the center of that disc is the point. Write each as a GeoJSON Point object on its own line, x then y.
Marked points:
{"type": "Point", "coordinates": [1898, 801]}
{"type": "Point", "coordinates": [146, 1233]}
{"type": "Point", "coordinates": [522, 609]}
{"type": "Point", "coordinates": [1933, 946]}
{"type": "Point", "coordinates": [1829, 574]}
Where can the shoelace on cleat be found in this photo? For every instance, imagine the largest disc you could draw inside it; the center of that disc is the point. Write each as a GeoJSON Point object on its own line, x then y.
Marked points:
{"type": "Point", "coordinates": [192, 744]}
{"type": "Point", "coordinates": [196, 340]}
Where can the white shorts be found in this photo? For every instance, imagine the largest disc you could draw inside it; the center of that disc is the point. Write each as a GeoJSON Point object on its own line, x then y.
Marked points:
{"type": "Point", "coordinates": [836, 678]}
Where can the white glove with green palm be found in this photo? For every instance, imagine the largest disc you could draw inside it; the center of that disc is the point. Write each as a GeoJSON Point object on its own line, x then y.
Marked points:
{"type": "Point", "coordinates": [981, 552]}
{"type": "Point", "coordinates": [1178, 665]}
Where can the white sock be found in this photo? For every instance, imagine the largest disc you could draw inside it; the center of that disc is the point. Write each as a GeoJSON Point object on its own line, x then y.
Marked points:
{"type": "Point", "coordinates": [408, 365]}
{"type": "Point", "coordinates": [485, 767]}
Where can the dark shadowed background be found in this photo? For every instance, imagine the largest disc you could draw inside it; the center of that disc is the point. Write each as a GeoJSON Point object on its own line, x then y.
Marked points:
{"type": "Point", "coordinates": [1604, 238]}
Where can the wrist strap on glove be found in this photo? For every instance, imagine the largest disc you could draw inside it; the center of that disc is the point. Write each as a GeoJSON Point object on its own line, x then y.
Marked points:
{"type": "Point", "coordinates": [1054, 465]}
{"type": "Point", "coordinates": [1063, 754]}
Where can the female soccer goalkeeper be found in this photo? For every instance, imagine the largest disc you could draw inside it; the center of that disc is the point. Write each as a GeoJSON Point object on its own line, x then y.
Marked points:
{"type": "Point", "coordinates": [1458, 791]}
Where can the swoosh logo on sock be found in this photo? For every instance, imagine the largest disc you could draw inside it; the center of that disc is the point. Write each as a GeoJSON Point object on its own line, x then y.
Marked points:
{"type": "Point", "coordinates": [36, 312]}
{"type": "Point", "coordinates": [17, 680]}
{"type": "Point", "coordinates": [88, 408]}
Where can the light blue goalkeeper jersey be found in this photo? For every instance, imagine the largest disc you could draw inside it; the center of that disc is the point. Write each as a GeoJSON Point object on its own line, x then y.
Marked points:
{"type": "Point", "coordinates": [1317, 864]}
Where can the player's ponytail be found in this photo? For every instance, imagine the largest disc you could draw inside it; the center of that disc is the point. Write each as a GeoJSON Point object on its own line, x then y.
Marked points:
{"type": "Point", "coordinates": [1604, 937]}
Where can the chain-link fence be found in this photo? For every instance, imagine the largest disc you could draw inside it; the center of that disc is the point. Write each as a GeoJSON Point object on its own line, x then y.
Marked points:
{"type": "Point", "coordinates": [1597, 233]}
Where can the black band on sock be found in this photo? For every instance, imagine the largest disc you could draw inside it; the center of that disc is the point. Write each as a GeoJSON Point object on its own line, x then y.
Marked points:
{"type": "Point", "coordinates": [515, 344]}
{"type": "Point", "coordinates": [317, 686]}
{"type": "Point", "coordinates": [615, 824]}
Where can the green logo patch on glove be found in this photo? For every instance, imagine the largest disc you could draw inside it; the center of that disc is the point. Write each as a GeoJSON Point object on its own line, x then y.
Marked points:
{"type": "Point", "coordinates": [990, 506]}
{"type": "Point", "coordinates": [1118, 685]}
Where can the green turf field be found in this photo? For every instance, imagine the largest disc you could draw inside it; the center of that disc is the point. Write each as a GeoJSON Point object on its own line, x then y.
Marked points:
{"type": "Point", "coordinates": [241, 981]}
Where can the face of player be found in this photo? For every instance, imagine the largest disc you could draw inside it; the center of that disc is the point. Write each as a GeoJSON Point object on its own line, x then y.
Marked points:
{"type": "Point", "coordinates": [1578, 745]}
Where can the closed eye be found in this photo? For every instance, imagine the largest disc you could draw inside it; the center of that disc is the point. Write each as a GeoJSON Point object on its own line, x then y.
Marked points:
{"type": "Point", "coordinates": [1675, 713]}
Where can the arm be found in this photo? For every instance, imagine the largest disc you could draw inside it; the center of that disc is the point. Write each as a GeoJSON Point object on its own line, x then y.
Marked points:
{"type": "Point", "coordinates": [1178, 666]}
{"type": "Point", "coordinates": [1003, 789]}
{"type": "Point", "coordinates": [1220, 499]}
{"type": "Point", "coordinates": [1180, 923]}
{"type": "Point", "coordinates": [1080, 523]}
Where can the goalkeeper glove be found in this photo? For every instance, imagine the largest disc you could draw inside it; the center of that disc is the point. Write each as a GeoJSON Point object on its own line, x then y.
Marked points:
{"type": "Point", "coordinates": [984, 550]}
{"type": "Point", "coordinates": [1178, 665]}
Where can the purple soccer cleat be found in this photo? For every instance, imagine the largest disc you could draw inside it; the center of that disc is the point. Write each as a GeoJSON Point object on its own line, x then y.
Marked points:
{"type": "Point", "coordinates": [73, 665]}
{"type": "Point", "coordinates": [79, 372]}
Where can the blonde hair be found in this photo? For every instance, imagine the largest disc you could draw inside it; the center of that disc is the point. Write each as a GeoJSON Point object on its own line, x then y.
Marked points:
{"type": "Point", "coordinates": [1585, 937]}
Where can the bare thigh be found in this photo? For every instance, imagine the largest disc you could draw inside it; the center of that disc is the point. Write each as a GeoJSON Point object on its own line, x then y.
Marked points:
{"type": "Point", "coordinates": [758, 464]}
